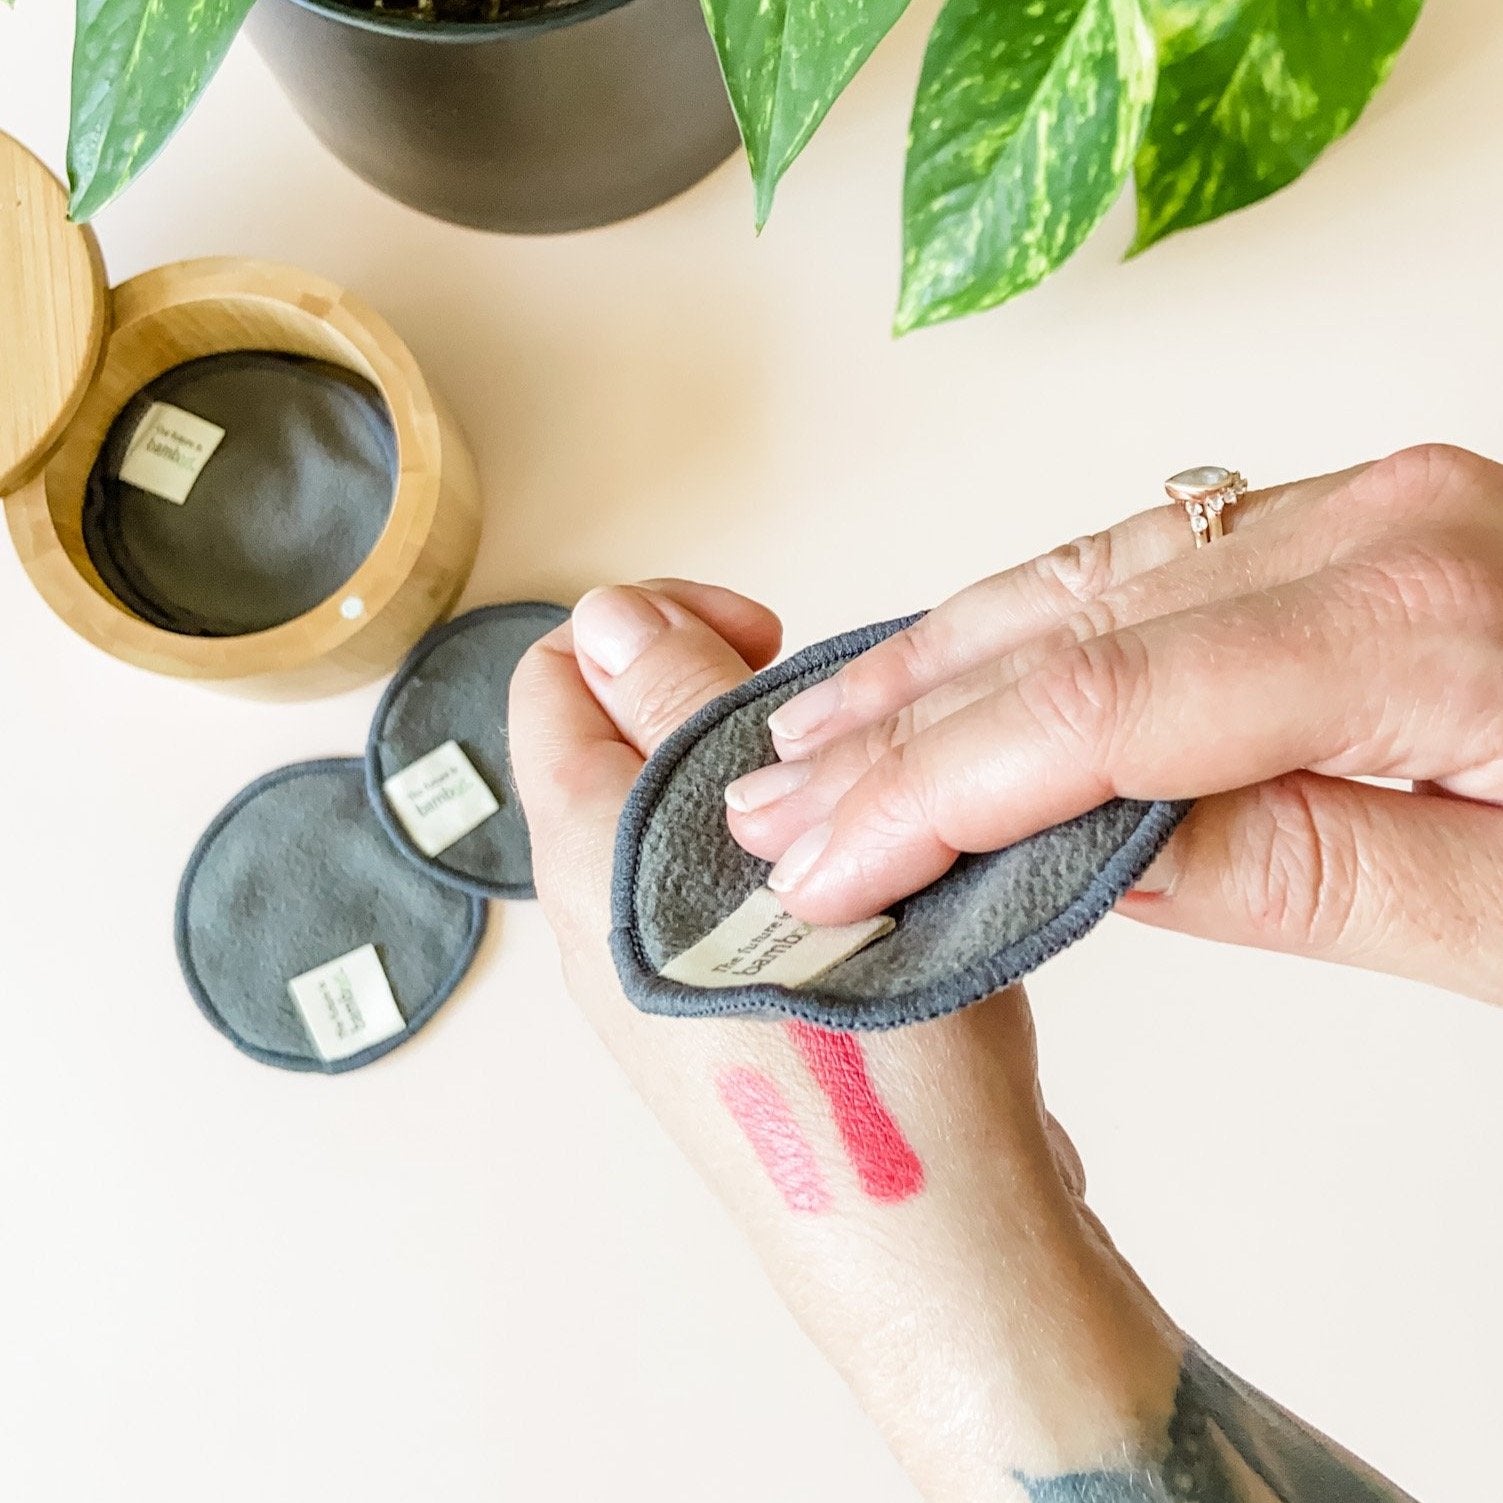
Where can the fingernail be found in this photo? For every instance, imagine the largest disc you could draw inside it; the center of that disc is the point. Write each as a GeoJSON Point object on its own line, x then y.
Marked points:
{"type": "Point", "coordinates": [799, 858]}
{"type": "Point", "coordinates": [613, 627]}
{"type": "Point", "coordinates": [806, 712]}
{"type": "Point", "coordinates": [766, 786]}
{"type": "Point", "coordinates": [1159, 880]}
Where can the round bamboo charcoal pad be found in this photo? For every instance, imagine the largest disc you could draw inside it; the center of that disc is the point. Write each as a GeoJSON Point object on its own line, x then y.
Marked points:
{"type": "Point", "coordinates": [454, 687]}
{"type": "Point", "coordinates": [296, 872]}
{"type": "Point", "coordinates": [989, 921]}
{"type": "Point", "coordinates": [286, 509]}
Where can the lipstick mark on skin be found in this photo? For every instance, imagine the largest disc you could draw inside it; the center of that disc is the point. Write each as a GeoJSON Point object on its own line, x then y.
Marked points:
{"type": "Point", "coordinates": [757, 1104]}
{"type": "Point", "coordinates": [888, 1167]}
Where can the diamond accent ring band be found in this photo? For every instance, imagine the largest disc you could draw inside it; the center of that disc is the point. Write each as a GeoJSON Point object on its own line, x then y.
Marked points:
{"type": "Point", "coordinates": [1205, 492]}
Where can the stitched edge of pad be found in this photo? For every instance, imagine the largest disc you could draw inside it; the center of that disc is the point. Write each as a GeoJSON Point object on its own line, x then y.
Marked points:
{"type": "Point", "coordinates": [433, 865]}
{"type": "Point", "coordinates": [200, 993]}
{"type": "Point", "coordinates": [653, 993]}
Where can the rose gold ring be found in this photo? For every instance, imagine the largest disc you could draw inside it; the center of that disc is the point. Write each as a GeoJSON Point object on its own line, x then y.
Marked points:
{"type": "Point", "coordinates": [1205, 492]}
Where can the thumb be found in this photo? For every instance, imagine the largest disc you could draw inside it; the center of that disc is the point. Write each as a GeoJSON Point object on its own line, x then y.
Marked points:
{"type": "Point", "coordinates": [650, 661]}
{"type": "Point", "coordinates": [1365, 876]}
{"type": "Point", "coordinates": [579, 731]}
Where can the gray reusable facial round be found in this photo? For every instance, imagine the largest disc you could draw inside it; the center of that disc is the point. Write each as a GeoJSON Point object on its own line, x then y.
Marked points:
{"type": "Point", "coordinates": [989, 921]}
{"type": "Point", "coordinates": [284, 511]}
{"type": "Point", "coordinates": [294, 874]}
{"type": "Point", "coordinates": [453, 688]}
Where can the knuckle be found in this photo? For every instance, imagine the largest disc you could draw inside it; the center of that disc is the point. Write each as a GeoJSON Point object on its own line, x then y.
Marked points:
{"type": "Point", "coordinates": [928, 710]}
{"type": "Point", "coordinates": [882, 736]}
{"type": "Point", "coordinates": [1099, 618]}
{"type": "Point", "coordinates": [1423, 474]}
{"type": "Point", "coordinates": [1301, 866]}
{"type": "Point", "coordinates": [560, 782]}
{"type": "Point", "coordinates": [900, 795]}
{"type": "Point", "coordinates": [1080, 698]}
{"type": "Point", "coordinates": [1096, 618]}
{"type": "Point", "coordinates": [891, 671]}
{"type": "Point", "coordinates": [1431, 578]}
{"type": "Point", "coordinates": [661, 704]}
{"type": "Point", "coordinates": [1081, 568]}
{"type": "Point", "coordinates": [1029, 658]}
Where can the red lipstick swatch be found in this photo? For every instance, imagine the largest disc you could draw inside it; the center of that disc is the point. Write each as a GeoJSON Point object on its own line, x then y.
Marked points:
{"type": "Point", "coordinates": [885, 1161]}
{"type": "Point", "coordinates": [757, 1104]}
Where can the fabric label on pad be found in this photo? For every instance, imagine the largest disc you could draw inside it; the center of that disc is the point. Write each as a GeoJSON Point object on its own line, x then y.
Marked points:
{"type": "Point", "coordinates": [168, 451]}
{"type": "Point", "coordinates": [347, 1004]}
{"type": "Point", "coordinates": [761, 942]}
{"type": "Point", "coordinates": [439, 798]}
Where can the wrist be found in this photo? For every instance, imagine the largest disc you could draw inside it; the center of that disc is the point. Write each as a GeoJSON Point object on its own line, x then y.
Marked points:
{"type": "Point", "coordinates": [1023, 1347]}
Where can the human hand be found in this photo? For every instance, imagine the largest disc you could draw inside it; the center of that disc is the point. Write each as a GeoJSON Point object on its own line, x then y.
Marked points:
{"type": "Point", "coordinates": [1347, 626]}
{"type": "Point", "coordinates": [919, 1212]}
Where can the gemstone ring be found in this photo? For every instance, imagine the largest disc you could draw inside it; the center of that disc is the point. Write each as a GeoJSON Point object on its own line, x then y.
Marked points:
{"type": "Point", "coordinates": [1205, 492]}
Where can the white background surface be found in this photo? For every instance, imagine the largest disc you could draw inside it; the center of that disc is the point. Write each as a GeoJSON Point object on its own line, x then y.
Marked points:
{"type": "Point", "coordinates": [476, 1270]}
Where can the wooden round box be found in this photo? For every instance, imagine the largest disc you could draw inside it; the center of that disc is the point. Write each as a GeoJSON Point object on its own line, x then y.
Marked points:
{"type": "Point", "coordinates": [74, 352]}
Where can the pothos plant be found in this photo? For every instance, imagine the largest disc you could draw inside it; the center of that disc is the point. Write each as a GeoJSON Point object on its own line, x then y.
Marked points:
{"type": "Point", "coordinates": [1030, 115]}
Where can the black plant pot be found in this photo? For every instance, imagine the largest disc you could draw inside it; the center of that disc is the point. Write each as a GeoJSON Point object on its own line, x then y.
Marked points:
{"type": "Point", "coordinates": [582, 113]}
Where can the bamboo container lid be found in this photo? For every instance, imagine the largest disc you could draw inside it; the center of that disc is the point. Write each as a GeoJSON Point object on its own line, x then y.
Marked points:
{"type": "Point", "coordinates": [54, 312]}
{"type": "Point", "coordinates": [74, 352]}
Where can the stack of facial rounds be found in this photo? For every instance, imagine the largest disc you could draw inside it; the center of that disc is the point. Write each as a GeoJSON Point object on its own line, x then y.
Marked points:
{"type": "Point", "coordinates": [333, 906]}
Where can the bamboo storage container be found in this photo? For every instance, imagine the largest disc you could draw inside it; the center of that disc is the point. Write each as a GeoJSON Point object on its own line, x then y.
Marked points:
{"type": "Point", "coordinates": [74, 352]}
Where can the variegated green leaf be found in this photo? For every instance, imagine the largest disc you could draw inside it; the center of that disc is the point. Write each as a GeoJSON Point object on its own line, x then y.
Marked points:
{"type": "Point", "coordinates": [1027, 117]}
{"type": "Point", "coordinates": [138, 69]}
{"type": "Point", "coordinates": [785, 63]}
{"type": "Point", "coordinates": [1250, 93]}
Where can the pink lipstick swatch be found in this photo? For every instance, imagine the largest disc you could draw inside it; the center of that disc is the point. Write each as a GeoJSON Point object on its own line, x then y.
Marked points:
{"type": "Point", "coordinates": [885, 1161]}
{"type": "Point", "coordinates": [757, 1104]}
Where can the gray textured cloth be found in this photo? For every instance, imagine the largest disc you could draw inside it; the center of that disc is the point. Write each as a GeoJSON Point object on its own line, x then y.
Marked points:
{"type": "Point", "coordinates": [297, 871]}
{"type": "Point", "coordinates": [990, 920]}
{"type": "Point", "coordinates": [287, 508]}
{"type": "Point", "coordinates": [454, 687]}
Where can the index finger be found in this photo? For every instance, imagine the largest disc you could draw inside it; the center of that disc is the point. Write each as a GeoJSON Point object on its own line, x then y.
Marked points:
{"type": "Point", "coordinates": [998, 615]}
